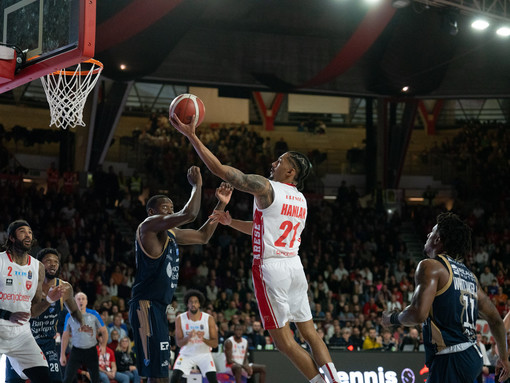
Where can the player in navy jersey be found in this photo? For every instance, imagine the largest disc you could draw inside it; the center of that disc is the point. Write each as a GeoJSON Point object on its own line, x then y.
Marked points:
{"type": "Point", "coordinates": [447, 301]}
{"type": "Point", "coordinates": [44, 326]}
{"type": "Point", "coordinates": [157, 272]}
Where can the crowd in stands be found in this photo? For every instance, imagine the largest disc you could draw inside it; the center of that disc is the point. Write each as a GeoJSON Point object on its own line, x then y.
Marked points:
{"type": "Point", "coordinates": [355, 259]}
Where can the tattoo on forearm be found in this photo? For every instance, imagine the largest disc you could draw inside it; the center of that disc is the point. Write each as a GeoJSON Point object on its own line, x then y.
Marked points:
{"type": "Point", "coordinates": [247, 183]}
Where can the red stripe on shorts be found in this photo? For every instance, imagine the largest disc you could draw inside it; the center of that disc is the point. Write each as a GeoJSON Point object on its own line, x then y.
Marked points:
{"type": "Point", "coordinates": [266, 311]}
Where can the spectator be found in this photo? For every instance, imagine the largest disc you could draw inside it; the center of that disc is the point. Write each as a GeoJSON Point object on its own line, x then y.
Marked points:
{"type": "Point", "coordinates": [118, 325]}
{"type": "Point", "coordinates": [108, 365]}
{"type": "Point", "coordinates": [370, 341]}
{"type": "Point", "coordinates": [388, 341]}
{"type": "Point", "coordinates": [256, 340]}
{"type": "Point", "coordinates": [486, 277]}
{"type": "Point", "coordinates": [126, 360]}
{"type": "Point", "coordinates": [411, 341]}
{"type": "Point", "coordinates": [335, 341]}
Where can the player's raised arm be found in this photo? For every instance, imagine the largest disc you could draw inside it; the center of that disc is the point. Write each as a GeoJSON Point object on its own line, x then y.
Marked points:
{"type": "Point", "coordinates": [254, 184]}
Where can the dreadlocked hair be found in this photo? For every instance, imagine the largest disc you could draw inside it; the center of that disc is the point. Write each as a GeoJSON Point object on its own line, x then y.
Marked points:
{"type": "Point", "coordinates": [303, 167]}
{"type": "Point", "coordinates": [455, 235]}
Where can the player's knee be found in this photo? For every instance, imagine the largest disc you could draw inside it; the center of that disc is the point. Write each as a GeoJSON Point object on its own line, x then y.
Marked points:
{"type": "Point", "coordinates": [176, 376]}
{"type": "Point", "coordinates": [285, 345]}
{"type": "Point", "coordinates": [237, 370]}
{"type": "Point", "coordinates": [211, 377]}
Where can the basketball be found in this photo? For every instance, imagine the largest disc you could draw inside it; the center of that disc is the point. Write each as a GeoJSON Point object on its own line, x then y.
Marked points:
{"type": "Point", "coordinates": [185, 106]}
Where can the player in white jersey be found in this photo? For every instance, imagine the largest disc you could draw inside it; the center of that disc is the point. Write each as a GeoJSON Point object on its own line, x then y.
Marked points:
{"type": "Point", "coordinates": [195, 334]}
{"type": "Point", "coordinates": [236, 355]}
{"type": "Point", "coordinates": [21, 297]}
{"type": "Point", "coordinates": [279, 215]}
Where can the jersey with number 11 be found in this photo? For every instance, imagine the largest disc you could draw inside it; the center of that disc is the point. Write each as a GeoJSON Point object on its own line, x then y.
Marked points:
{"type": "Point", "coordinates": [277, 228]}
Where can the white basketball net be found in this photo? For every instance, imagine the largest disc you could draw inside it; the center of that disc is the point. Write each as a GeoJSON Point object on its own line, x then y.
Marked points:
{"type": "Point", "coordinates": [67, 91]}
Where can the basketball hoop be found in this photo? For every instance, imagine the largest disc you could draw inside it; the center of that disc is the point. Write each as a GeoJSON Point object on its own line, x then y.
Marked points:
{"type": "Point", "coordinates": [67, 90]}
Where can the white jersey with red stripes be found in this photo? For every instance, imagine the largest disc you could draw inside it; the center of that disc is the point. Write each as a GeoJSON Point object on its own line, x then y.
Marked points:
{"type": "Point", "coordinates": [195, 345]}
{"type": "Point", "coordinates": [238, 350]}
{"type": "Point", "coordinates": [277, 228]}
{"type": "Point", "coordinates": [18, 285]}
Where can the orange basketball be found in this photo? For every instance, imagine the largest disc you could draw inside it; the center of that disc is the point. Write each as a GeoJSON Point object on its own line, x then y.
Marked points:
{"type": "Point", "coordinates": [186, 106]}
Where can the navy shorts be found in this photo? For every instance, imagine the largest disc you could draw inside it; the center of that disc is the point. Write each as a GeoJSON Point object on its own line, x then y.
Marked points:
{"type": "Point", "coordinates": [152, 342]}
{"type": "Point", "coordinates": [457, 367]}
{"type": "Point", "coordinates": [49, 350]}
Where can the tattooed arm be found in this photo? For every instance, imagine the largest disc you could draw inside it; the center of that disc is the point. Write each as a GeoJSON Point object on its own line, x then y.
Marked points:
{"type": "Point", "coordinates": [254, 184]}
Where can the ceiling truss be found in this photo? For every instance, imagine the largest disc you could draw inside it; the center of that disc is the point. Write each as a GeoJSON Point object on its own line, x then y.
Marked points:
{"type": "Point", "coordinates": [496, 9]}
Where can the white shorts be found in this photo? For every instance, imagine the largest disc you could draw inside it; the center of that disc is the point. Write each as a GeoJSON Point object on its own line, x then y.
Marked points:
{"type": "Point", "coordinates": [281, 291]}
{"type": "Point", "coordinates": [18, 343]}
{"type": "Point", "coordinates": [228, 371]}
{"type": "Point", "coordinates": [185, 363]}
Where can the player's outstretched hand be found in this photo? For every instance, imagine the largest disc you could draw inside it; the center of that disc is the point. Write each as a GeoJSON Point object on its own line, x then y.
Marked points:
{"type": "Point", "coordinates": [220, 216]}
{"type": "Point", "coordinates": [194, 176]}
{"type": "Point", "coordinates": [56, 292]}
{"type": "Point", "coordinates": [186, 129]}
{"type": "Point", "coordinates": [224, 192]}
{"type": "Point", "coordinates": [502, 370]}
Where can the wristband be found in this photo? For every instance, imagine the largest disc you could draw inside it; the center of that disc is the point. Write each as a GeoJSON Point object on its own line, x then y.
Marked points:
{"type": "Point", "coordinates": [50, 301]}
{"type": "Point", "coordinates": [5, 314]}
{"type": "Point", "coordinates": [394, 318]}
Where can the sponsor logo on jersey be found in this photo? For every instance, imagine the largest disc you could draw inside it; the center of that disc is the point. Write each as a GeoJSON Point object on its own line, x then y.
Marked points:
{"type": "Point", "coordinates": [163, 346]}
{"type": "Point", "coordinates": [8, 282]}
{"type": "Point", "coordinates": [14, 297]}
{"type": "Point", "coordinates": [165, 363]}
{"type": "Point", "coordinates": [20, 273]}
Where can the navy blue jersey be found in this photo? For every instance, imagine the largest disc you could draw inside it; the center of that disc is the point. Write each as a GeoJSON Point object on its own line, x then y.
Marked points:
{"type": "Point", "coordinates": [44, 327]}
{"type": "Point", "coordinates": [156, 279]}
{"type": "Point", "coordinates": [452, 319]}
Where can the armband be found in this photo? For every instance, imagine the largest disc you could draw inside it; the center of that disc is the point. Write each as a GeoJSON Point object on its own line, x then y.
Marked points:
{"type": "Point", "coordinates": [50, 301]}
{"type": "Point", "coordinates": [5, 314]}
{"type": "Point", "coordinates": [394, 319]}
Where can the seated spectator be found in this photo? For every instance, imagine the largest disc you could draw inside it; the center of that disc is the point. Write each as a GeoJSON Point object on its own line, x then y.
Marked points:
{"type": "Point", "coordinates": [370, 341]}
{"type": "Point", "coordinates": [126, 360]}
{"type": "Point", "coordinates": [118, 325]}
{"type": "Point", "coordinates": [411, 340]}
{"type": "Point", "coordinates": [355, 339]}
{"type": "Point", "coordinates": [394, 304]}
{"type": "Point", "coordinates": [388, 341]}
{"type": "Point", "coordinates": [113, 340]}
{"type": "Point", "coordinates": [108, 366]}
{"type": "Point", "coordinates": [257, 339]}
{"type": "Point", "coordinates": [317, 312]}
{"type": "Point", "coordinates": [335, 341]}
{"type": "Point", "coordinates": [236, 354]}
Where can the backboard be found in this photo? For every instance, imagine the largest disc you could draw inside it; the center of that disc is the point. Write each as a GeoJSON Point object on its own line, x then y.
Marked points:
{"type": "Point", "coordinates": [55, 34]}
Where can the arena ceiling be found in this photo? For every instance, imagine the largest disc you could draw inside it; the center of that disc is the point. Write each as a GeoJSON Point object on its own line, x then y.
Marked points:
{"type": "Point", "coordinates": [341, 47]}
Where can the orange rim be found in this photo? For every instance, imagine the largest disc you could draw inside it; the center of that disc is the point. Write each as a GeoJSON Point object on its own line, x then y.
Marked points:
{"type": "Point", "coordinates": [97, 70]}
